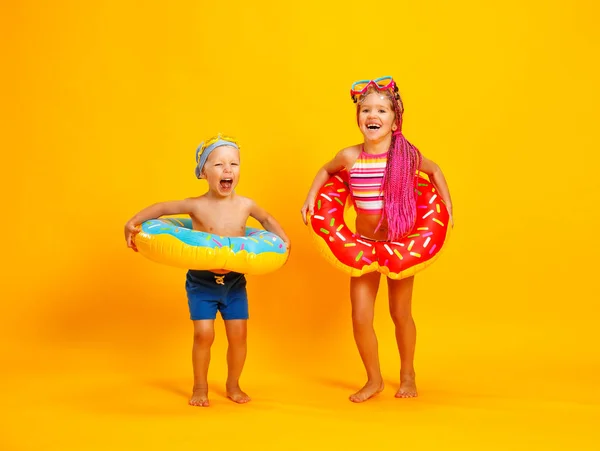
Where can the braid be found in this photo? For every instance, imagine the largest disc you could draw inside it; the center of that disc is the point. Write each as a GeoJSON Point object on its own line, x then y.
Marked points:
{"type": "Point", "coordinates": [400, 177]}
{"type": "Point", "coordinates": [399, 185]}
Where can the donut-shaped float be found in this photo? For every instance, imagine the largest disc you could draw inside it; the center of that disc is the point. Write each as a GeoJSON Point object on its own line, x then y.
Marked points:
{"type": "Point", "coordinates": [357, 256]}
{"type": "Point", "coordinates": [172, 241]}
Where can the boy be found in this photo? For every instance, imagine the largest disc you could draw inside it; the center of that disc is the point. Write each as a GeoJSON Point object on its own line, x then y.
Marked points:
{"type": "Point", "coordinates": [222, 212]}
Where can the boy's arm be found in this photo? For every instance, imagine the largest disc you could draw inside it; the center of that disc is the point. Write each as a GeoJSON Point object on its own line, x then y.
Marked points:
{"type": "Point", "coordinates": [152, 212]}
{"type": "Point", "coordinates": [439, 181]}
{"type": "Point", "coordinates": [268, 222]}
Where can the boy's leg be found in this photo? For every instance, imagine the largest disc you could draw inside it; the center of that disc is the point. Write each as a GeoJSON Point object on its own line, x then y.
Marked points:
{"type": "Point", "coordinates": [204, 335]}
{"type": "Point", "coordinates": [400, 297]}
{"type": "Point", "coordinates": [363, 291]}
{"type": "Point", "coordinates": [236, 330]}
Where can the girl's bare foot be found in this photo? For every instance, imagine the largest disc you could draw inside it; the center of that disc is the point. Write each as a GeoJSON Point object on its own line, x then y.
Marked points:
{"type": "Point", "coordinates": [368, 391]}
{"type": "Point", "coordinates": [236, 394]}
{"type": "Point", "coordinates": [408, 387]}
{"type": "Point", "coordinates": [199, 397]}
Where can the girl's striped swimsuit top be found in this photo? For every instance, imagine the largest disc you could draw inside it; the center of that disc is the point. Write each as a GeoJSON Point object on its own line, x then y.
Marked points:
{"type": "Point", "coordinates": [366, 182]}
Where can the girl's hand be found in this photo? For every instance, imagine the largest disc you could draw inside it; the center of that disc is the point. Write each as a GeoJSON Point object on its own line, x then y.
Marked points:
{"type": "Point", "coordinates": [309, 206]}
{"type": "Point", "coordinates": [130, 232]}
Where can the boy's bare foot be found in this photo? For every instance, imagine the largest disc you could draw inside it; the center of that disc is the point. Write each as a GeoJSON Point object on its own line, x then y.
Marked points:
{"type": "Point", "coordinates": [368, 391]}
{"type": "Point", "coordinates": [199, 397]}
{"type": "Point", "coordinates": [408, 387]}
{"type": "Point", "coordinates": [237, 395]}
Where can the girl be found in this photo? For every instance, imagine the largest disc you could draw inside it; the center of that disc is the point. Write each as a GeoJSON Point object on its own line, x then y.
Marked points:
{"type": "Point", "coordinates": [382, 182]}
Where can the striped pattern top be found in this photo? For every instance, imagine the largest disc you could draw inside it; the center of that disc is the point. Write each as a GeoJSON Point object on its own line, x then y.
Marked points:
{"type": "Point", "coordinates": [366, 179]}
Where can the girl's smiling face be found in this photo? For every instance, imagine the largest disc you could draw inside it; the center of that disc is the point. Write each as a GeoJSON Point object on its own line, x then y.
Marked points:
{"type": "Point", "coordinates": [376, 117]}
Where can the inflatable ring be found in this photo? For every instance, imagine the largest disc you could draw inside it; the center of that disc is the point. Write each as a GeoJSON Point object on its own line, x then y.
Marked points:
{"type": "Point", "coordinates": [173, 242]}
{"type": "Point", "coordinates": [357, 256]}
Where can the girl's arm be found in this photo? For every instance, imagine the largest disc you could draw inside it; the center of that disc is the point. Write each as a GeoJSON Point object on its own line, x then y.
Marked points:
{"type": "Point", "coordinates": [439, 181]}
{"type": "Point", "coordinates": [339, 162]}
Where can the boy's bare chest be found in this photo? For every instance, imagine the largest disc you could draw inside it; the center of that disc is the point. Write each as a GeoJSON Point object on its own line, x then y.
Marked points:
{"type": "Point", "coordinates": [226, 220]}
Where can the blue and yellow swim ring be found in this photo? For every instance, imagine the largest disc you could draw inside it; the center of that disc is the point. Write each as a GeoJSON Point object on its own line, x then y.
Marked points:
{"type": "Point", "coordinates": [171, 240]}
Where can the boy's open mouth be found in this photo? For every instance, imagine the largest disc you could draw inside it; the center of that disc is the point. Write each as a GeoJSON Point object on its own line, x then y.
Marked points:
{"type": "Point", "coordinates": [226, 183]}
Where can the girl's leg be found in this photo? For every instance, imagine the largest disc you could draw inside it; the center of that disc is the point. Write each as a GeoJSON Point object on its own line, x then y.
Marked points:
{"type": "Point", "coordinates": [204, 335]}
{"type": "Point", "coordinates": [236, 330]}
{"type": "Point", "coordinates": [400, 297]}
{"type": "Point", "coordinates": [363, 291]}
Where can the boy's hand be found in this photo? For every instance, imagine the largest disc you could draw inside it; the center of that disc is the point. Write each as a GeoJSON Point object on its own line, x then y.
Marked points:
{"type": "Point", "coordinates": [130, 232]}
{"type": "Point", "coordinates": [308, 207]}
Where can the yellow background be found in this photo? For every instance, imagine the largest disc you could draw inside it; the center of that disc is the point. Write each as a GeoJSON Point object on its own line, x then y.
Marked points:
{"type": "Point", "coordinates": [104, 104]}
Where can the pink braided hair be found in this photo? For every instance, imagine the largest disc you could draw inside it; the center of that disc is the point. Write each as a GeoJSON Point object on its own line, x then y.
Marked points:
{"type": "Point", "coordinates": [400, 178]}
